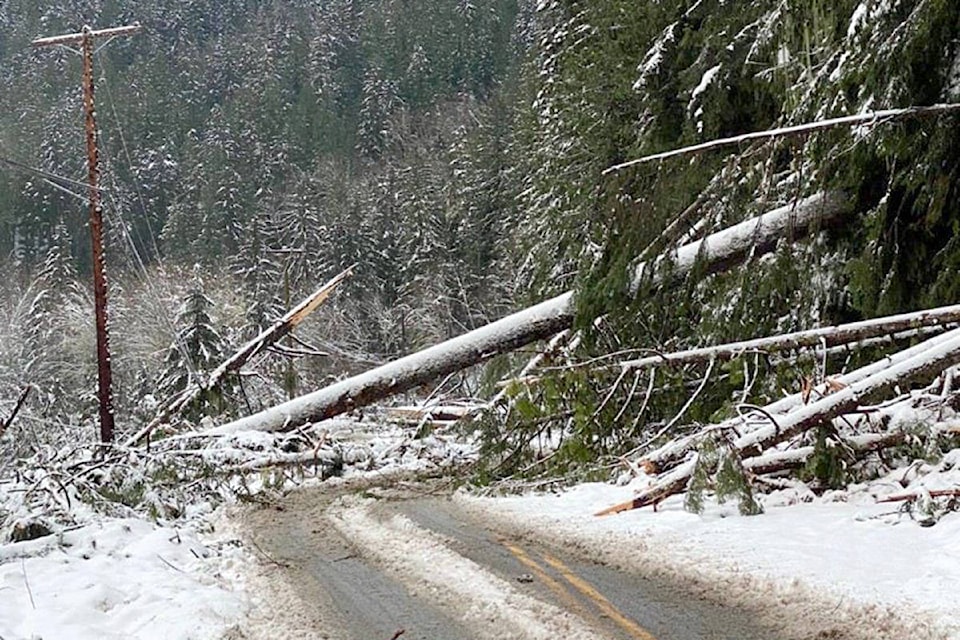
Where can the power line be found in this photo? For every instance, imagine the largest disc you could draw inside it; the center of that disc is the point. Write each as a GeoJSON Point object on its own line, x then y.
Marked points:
{"type": "Point", "coordinates": [20, 166]}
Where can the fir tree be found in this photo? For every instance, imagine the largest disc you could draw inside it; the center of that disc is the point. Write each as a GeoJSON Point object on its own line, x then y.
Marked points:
{"type": "Point", "coordinates": [194, 353]}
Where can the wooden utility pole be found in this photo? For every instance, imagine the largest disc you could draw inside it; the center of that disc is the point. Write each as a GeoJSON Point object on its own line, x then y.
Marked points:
{"type": "Point", "coordinates": [86, 39]}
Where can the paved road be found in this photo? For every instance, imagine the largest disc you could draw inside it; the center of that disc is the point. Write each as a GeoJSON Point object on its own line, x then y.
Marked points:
{"type": "Point", "coordinates": [357, 597]}
{"type": "Point", "coordinates": [620, 605]}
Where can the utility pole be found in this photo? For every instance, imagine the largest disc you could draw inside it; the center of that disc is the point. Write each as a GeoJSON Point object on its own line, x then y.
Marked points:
{"type": "Point", "coordinates": [86, 39]}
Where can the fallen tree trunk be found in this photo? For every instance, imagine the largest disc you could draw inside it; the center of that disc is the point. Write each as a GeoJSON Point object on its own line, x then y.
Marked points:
{"type": "Point", "coordinates": [823, 336]}
{"type": "Point", "coordinates": [675, 451]}
{"type": "Point", "coordinates": [717, 252]}
{"type": "Point", "coordinates": [796, 458]}
{"type": "Point", "coordinates": [924, 364]}
{"type": "Point", "coordinates": [890, 328]}
{"type": "Point", "coordinates": [934, 493]}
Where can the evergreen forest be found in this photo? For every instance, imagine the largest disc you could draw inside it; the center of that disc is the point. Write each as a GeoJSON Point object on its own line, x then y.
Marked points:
{"type": "Point", "coordinates": [470, 158]}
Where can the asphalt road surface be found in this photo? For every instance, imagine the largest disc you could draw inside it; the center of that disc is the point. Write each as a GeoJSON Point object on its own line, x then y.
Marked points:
{"type": "Point", "coordinates": [354, 592]}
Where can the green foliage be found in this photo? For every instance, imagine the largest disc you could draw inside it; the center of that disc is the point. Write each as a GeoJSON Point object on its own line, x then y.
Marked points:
{"type": "Point", "coordinates": [828, 464]}
{"type": "Point", "coordinates": [612, 80]}
{"type": "Point", "coordinates": [195, 352]}
{"type": "Point", "coordinates": [700, 481]}
{"type": "Point", "coordinates": [718, 469]}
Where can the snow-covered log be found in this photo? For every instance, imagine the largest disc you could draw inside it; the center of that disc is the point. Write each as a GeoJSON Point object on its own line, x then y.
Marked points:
{"type": "Point", "coordinates": [859, 445]}
{"type": "Point", "coordinates": [715, 252]}
{"type": "Point", "coordinates": [889, 328]}
{"type": "Point", "coordinates": [726, 248]}
{"type": "Point", "coordinates": [922, 365]}
{"type": "Point", "coordinates": [821, 337]}
{"type": "Point", "coordinates": [915, 495]}
{"type": "Point", "coordinates": [517, 330]}
{"type": "Point", "coordinates": [673, 452]}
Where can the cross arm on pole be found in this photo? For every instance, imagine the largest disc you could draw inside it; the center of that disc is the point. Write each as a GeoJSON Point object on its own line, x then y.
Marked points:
{"type": "Point", "coordinates": [77, 38]}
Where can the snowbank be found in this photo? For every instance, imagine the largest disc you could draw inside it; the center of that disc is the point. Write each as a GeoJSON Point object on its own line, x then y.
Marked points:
{"type": "Point", "coordinates": [116, 579]}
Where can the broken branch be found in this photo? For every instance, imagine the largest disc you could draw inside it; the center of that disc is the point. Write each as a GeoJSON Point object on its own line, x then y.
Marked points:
{"type": "Point", "coordinates": [263, 341]}
{"type": "Point", "coordinates": [16, 409]}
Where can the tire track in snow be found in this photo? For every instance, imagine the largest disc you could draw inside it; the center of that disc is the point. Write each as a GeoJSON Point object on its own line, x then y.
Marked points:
{"type": "Point", "coordinates": [419, 558]}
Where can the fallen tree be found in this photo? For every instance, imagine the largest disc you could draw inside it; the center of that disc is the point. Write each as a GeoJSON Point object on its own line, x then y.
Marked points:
{"type": "Point", "coordinates": [715, 252]}
{"type": "Point", "coordinates": [673, 452]}
{"type": "Point", "coordinates": [916, 495]}
{"type": "Point", "coordinates": [268, 337]}
{"type": "Point", "coordinates": [926, 363]}
{"type": "Point", "coordinates": [823, 337]}
{"type": "Point", "coordinates": [789, 459]}
{"type": "Point", "coordinates": [898, 327]}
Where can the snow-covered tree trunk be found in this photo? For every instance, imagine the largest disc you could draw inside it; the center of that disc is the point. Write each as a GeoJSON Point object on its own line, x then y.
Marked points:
{"type": "Point", "coordinates": [717, 252]}
{"type": "Point", "coordinates": [925, 364]}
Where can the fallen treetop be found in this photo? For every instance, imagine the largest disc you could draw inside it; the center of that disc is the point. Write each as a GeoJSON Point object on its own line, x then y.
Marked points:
{"type": "Point", "coordinates": [535, 323]}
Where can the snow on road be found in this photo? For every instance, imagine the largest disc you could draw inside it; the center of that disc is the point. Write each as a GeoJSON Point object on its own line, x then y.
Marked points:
{"type": "Point", "coordinates": [877, 568]}
{"type": "Point", "coordinates": [489, 604]}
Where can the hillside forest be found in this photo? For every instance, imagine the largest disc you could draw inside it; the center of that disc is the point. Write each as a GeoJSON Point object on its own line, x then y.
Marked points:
{"type": "Point", "coordinates": [465, 156]}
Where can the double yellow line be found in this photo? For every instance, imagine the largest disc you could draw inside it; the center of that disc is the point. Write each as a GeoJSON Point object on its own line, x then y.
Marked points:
{"type": "Point", "coordinates": [581, 585]}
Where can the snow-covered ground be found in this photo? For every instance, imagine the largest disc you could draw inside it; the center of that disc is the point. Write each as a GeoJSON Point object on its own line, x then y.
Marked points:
{"type": "Point", "coordinates": [130, 578]}
{"type": "Point", "coordinates": [119, 578]}
{"type": "Point", "coordinates": [105, 577]}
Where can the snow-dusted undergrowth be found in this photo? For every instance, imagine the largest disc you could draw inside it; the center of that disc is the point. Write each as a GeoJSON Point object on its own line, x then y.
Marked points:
{"type": "Point", "coordinates": [119, 543]}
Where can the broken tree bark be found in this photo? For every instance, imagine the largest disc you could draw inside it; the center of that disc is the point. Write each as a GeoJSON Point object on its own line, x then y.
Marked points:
{"type": "Point", "coordinates": [717, 252]}
{"type": "Point", "coordinates": [924, 364]}
{"type": "Point", "coordinates": [282, 327]}
{"type": "Point", "coordinates": [675, 451]}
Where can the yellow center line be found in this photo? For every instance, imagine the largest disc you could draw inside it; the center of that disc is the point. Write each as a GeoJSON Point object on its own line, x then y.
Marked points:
{"type": "Point", "coordinates": [544, 577]}
{"type": "Point", "coordinates": [605, 605]}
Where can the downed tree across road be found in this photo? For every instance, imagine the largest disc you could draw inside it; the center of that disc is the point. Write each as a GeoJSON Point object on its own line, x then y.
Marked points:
{"type": "Point", "coordinates": [926, 363]}
{"type": "Point", "coordinates": [717, 252]}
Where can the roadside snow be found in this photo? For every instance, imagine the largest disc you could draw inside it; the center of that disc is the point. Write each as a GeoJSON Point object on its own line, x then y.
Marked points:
{"type": "Point", "coordinates": [867, 558]}
{"type": "Point", "coordinates": [114, 579]}
{"type": "Point", "coordinates": [103, 577]}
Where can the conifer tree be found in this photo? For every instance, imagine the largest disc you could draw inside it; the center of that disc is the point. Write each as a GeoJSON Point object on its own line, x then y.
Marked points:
{"type": "Point", "coordinates": [196, 350]}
